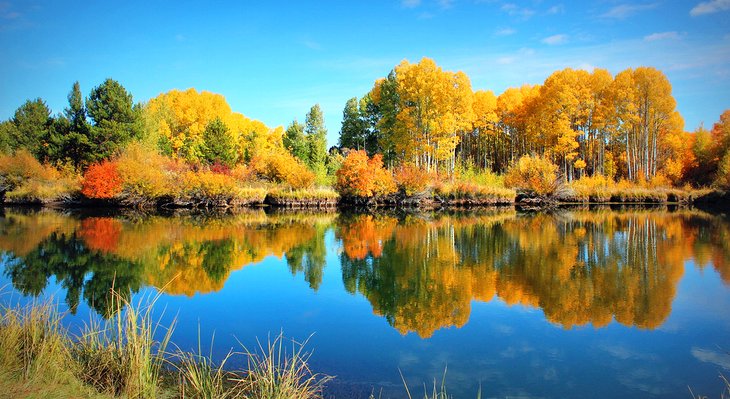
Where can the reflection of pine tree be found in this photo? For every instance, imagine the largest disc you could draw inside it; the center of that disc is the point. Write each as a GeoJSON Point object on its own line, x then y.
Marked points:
{"type": "Point", "coordinates": [309, 258]}
{"type": "Point", "coordinates": [218, 258]}
{"type": "Point", "coordinates": [78, 270]}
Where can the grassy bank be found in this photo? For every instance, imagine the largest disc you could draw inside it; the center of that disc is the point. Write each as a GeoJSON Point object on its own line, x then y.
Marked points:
{"type": "Point", "coordinates": [130, 355]}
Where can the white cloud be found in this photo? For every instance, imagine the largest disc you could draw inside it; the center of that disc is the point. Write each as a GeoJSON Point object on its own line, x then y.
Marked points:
{"type": "Point", "coordinates": [661, 36]}
{"type": "Point", "coordinates": [506, 60]}
{"type": "Point", "coordinates": [558, 9]}
{"type": "Point", "coordinates": [446, 3]}
{"type": "Point", "coordinates": [626, 10]}
{"type": "Point", "coordinates": [311, 44]}
{"type": "Point", "coordinates": [709, 7]}
{"type": "Point", "coordinates": [514, 11]}
{"type": "Point", "coordinates": [585, 66]}
{"type": "Point", "coordinates": [505, 32]}
{"type": "Point", "coordinates": [410, 3]}
{"type": "Point", "coordinates": [709, 356]}
{"type": "Point", "coordinates": [555, 39]}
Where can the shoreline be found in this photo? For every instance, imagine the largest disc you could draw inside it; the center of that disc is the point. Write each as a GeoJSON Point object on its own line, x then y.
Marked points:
{"type": "Point", "coordinates": [715, 199]}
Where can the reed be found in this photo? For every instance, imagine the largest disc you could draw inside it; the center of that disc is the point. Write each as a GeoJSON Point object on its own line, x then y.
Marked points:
{"type": "Point", "coordinates": [277, 372]}
{"type": "Point", "coordinates": [120, 355]}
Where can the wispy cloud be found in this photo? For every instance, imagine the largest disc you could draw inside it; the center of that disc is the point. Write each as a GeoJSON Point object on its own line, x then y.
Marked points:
{"type": "Point", "coordinates": [515, 11]}
{"type": "Point", "coordinates": [7, 12]}
{"type": "Point", "coordinates": [662, 36]}
{"type": "Point", "coordinates": [555, 39]}
{"type": "Point", "coordinates": [446, 3]}
{"type": "Point", "coordinates": [710, 7]}
{"type": "Point", "coordinates": [557, 9]}
{"type": "Point", "coordinates": [626, 10]}
{"type": "Point", "coordinates": [311, 44]}
{"type": "Point", "coordinates": [506, 60]}
{"type": "Point", "coordinates": [410, 3]}
{"type": "Point", "coordinates": [709, 356]}
{"type": "Point", "coordinates": [505, 32]}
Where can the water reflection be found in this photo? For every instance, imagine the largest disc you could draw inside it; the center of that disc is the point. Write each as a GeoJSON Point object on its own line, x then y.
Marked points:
{"type": "Point", "coordinates": [420, 272]}
{"type": "Point", "coordinates": [579, 267]}
{"type": "Point", "coordinates": [184, 255]}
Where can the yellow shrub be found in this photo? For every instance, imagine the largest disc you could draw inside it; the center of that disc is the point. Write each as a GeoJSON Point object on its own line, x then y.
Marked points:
{"type": "Point", "coordinates": [24, 179]}
{"type": "Point", "coordinates": [211, 185]}
{"type": "Point", "coordinates": [18, 168]}
{"type": "Point", "coordinates": [533, 173]}
{"type": "Point", "coordinates": [145, 175]}
{"type": "Point", "coordinates": [723, 173]}
{"type": "Point", "coordinates": [283, 168]}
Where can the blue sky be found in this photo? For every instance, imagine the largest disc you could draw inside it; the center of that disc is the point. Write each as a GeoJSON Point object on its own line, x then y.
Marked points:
{"type": "Point", "coordinates": [272, 60]}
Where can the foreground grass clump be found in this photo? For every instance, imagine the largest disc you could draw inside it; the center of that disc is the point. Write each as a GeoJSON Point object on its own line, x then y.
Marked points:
{"type": "Point", "coordinates": [127, 356]}
{"type": "Point", "coordinates": [35, 360]}
{"type": "Point", "coordinates": [275, 373]}
{"type": "Point", "coordinates": [120, 356]}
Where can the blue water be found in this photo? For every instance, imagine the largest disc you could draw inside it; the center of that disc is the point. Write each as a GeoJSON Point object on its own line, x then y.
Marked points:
{"type": "Point", "coordinates": [522, 349]}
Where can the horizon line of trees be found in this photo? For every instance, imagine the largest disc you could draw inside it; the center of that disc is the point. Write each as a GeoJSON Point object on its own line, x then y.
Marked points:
{"type": "Point", "coordinates": [197, 127]}
{"type": "Point", "coordinates": [587, 123]}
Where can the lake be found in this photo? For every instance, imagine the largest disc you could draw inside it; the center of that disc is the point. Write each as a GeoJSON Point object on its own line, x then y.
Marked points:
{"type": "Point", "coordinates": [595, 303]}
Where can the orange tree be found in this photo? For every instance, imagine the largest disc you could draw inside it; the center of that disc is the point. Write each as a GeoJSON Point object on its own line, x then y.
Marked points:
{"type": "Point", "coordinates": [360, 176]}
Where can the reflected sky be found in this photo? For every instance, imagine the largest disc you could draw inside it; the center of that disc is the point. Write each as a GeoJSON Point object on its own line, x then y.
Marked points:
{"type": "Point", "coordinates": [574, 303]}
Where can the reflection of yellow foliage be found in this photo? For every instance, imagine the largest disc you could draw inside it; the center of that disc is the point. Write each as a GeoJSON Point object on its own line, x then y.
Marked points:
{"type": "Point", "coordinates": [21, 233]}
{"type": "Point", "coordinates": [579, 267]}
{"type": "Point", "coordinates": [172, 250]}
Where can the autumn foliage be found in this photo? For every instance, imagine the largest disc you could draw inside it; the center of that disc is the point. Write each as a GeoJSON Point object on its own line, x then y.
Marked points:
{"type": "Point", "coordinates": [101, 233]}
{"type": "Point", "coordinates": [411, 180]}
{"type": "Point", "coordinates": [102, 180]}
{"type": "Point", "coordinates": [24, 179]}
{"type": "Point", "coordinates": [282, 167]}
{"type": "Point", "coordinates": [364, 177]}
{"type": "Point", "coordinates": [533, 173]}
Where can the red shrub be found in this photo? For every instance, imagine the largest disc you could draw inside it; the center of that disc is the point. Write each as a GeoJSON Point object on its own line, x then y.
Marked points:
{"type": "Point", "coordinates": [102, 181]}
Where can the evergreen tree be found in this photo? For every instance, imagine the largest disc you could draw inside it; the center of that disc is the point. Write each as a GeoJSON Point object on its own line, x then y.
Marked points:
{"type": "Point", "coordinates": [295, 141]}
{"type": "Point", "coordinates": [316, 136]}
{"type": "Point", "coordinates": [32, 122]}
{"type": "Point", "coordinates": [218, 145]}
{"type": "Point", "coordinates": [7, 132]}
{"type": "Point", "coordinates": [72, 133]}
{"type": "Point", "coordinates": [354, 128]}
{"type": "Point", "coordinates": [115, 119]}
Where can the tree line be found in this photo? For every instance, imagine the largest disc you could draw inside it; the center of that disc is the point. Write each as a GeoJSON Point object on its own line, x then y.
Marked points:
{"type": "Point", "coordinates": [587, 123]}
{"type": "Point", "coordinates": [197, 127]}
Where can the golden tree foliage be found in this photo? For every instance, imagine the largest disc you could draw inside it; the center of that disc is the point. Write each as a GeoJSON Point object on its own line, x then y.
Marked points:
{"type": "Point", "coordinates": [585, 122]}
{"type": "Point", "coordinates": [180, 117]}
{"type": "Point", "coordinates": [533, 173]}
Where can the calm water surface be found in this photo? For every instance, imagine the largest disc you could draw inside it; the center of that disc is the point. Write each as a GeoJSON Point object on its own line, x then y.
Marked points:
{"type": "Point", "coordinates": [576, 303]}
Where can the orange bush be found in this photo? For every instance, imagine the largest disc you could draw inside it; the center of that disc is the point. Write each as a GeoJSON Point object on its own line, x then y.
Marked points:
{"type": "Point", "coordinates": [101, 234]}
{"type": "Point", "coordinates": [411, 180]}
{"type": "Point", "coordinates": [365, 177]}
{"type": "Point", "coordinates": [102, 180]}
